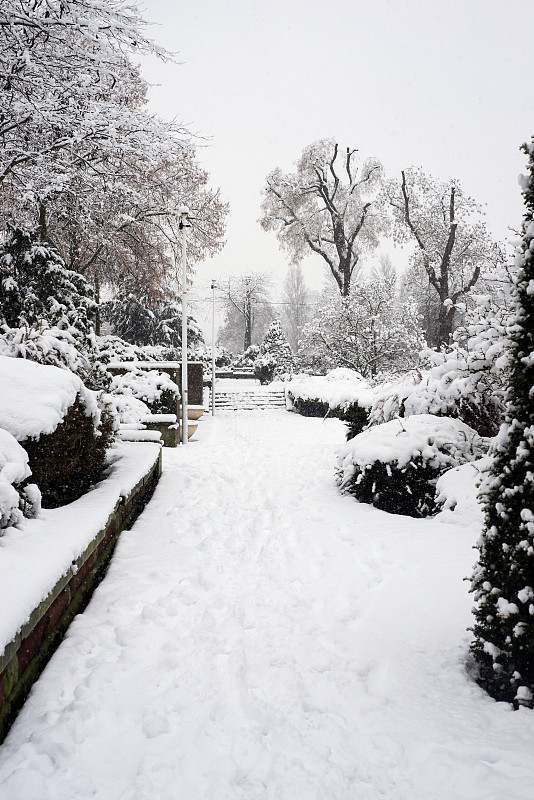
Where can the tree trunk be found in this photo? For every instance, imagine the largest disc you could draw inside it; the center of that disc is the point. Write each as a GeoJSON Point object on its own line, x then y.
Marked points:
{"type": "Point", "coordinates": [247, 313]}
{"type": "Point", "coordinates": [445, 323]}
{"type": "Point", "coordinates": [97, 298]}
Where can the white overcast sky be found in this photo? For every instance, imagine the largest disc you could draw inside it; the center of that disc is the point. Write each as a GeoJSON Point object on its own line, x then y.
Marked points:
{"type": "Point", "coordinates": [446, 85]}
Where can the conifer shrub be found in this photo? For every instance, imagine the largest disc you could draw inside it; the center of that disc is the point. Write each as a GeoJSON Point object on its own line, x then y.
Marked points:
{"type": "Point", "coordinates": [275, 358]}
{"type": "Point", "coordinates": [308, 407]}
{"type": "Point", "coordinates": [265, 368]}
{"type": "Point", "coordinates": [503, 578]}
{"type": "Point", "coordinates": [342, 393]}
{"type": "Point", "coordinates": [354, 415]}
{"type": "Point", "coordinates": [35, 285]}
{"type": "Point", "coordinates": [395, 466]}
{"type": "Point", "coordinates": [67, 462]}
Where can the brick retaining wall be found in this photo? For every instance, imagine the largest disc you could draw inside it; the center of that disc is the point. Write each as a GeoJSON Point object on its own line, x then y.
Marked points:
{"type": "Point", "coordinates": [28, 653]}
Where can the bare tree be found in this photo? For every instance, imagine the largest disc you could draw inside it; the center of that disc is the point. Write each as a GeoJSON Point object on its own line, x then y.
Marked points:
{"type": "Point", "coordinates": [452, 241]}
{"type": "Point", "coordinates": [247, 303]}
{"type": "Point", "coordinates": [329, 206]}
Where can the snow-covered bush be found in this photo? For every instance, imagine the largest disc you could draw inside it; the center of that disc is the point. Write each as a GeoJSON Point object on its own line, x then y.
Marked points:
{"type": "Point", "coordinates": [395, 466]}
{"type": "Point", "coordinates": [247, 358]}
{"type": "Point", "coordinates": [113, 348]}
{"type": "Point", "coordinates": [342, 393]}
{"type": "Point", "coordinates": [128, 409]}
{"type": "Point", "coordinates": [46, 310]}
{"type": "Point", "coordinates": [58, 422]}
{"type": "Point", "coordinates": [50, 345]}
{"type": "Point", "coordinates": [467, 381]}
{"type": "Point", "coordinates": [503, 578]}
{"type": "Point", "coordinates": [264, 368]}
{"type": "Point", "coordinates": [154, 388]}
{"type": "Point", "coordinates": [18, 498]}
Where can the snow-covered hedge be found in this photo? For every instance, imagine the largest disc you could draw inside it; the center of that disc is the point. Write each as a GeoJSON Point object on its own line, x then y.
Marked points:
{"type": "Point", "coordinates": [18, 498]}
{"type": "Point", "coordinates": [153, 388]}
{"type": "Point", "coordinates": [342, 393]}
{"type": "Point", "coordinates": [395, 466]}
{"type": "Point", "coordinates": [58, 422]}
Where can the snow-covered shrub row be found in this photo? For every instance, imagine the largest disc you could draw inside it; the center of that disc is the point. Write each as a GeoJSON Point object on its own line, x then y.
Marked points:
{"type": "Point", "coordinates": [155, 389]}
{"type": "Point", "coordinates": [395, 465]}
{"type": "Point", "coordinates": [113, 348]}
{"type": "Point", "coordinates": [342, 393]}
{"type": "Point", "coordinates": [467, 382]}
{"type": "Point", "coordinates": [45, 344]}
{"type": "Point", "coordinates": [18, 498]}
{"type": "Point", "coordinates": [58, 422]}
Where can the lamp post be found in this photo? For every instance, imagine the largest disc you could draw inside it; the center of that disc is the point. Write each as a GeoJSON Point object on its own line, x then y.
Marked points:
{"type": "Point", "coordinates": [213, 285]}
{"type": "Point", "coordinates": [183, 212]}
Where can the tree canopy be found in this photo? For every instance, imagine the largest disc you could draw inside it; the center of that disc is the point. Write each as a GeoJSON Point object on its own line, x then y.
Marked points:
{"type": "Point", "coordinates": [328, 206]}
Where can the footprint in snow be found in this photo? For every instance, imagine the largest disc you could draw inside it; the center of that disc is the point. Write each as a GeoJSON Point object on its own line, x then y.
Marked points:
{"type": "Point", "coordinates": [155, 723]}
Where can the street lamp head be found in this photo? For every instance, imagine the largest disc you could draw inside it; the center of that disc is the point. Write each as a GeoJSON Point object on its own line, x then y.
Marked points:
{"type": "Point", "coordinates": [183, 213]}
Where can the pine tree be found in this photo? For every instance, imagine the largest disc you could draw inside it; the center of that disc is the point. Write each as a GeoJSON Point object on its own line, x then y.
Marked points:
{"type": "Point", "coordinates": [503, 579]}
{"type": "Point", "coordinates": [35, 285]}
{"type": "Point", "coordinates": [275, 344]}
{"type": "Point", "coordinates": [142, 319]}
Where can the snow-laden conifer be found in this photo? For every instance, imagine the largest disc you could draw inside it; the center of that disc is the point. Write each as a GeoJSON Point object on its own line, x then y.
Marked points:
{"type": "Point", "coordinates": [503, 579]}
{"type": "Point", "coordinates": [275, 354]}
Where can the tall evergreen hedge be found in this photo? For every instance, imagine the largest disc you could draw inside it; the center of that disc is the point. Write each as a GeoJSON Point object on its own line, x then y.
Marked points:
{"type": "Point", "coordinates": [503, 579]}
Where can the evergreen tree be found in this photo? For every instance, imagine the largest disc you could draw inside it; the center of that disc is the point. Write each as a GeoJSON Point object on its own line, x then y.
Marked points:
{"type": "Point", "coordinates": [503, 579]}
{"type": "Point", "coordinates": [35, 285]}
{"type": "Point", "coordinates": [275, 354]}
{"type": "Point", "coordinates": [142, 319]}
{"type": "Point", "coordinates": [131, 316]}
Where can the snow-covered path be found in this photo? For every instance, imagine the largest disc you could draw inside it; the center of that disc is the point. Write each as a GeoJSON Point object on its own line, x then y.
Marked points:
{"type": "Point", "coordinates": [260, 636]}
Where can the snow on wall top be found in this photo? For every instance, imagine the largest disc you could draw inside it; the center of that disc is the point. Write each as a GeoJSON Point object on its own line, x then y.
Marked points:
{"type": "Point", "coordinates": [34, 398]}
{"type": "Point", "coordinates": [129, 365]}
{"type": "Point", "coordinates": [35, 556]}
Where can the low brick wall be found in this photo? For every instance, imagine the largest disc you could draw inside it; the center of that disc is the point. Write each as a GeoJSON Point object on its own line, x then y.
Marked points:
{"type": "Point", "coordinates": [28, 653]}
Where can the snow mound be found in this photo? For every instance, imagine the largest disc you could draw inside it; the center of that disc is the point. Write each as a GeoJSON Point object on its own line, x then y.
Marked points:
{"type": "Point", "coordinates": [457, 493]}
{"type": "Point", "coordinates": [34, 398]}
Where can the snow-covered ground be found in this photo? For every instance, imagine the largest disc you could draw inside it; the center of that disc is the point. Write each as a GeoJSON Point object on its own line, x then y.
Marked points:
{"type": "Point", "coordinates": [260, 636]}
